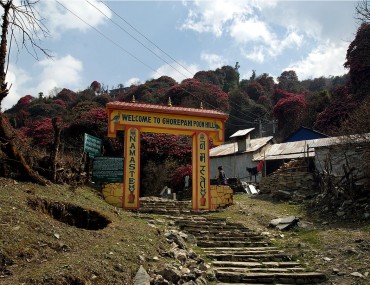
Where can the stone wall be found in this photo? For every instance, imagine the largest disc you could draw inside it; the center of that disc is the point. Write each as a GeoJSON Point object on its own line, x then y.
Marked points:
{"type": "Point", "coordinates": [221, 196]}
{"type": "Point", "coordinates": [112, 193]}
{"type": "Point", "coordinates": [287, 181]}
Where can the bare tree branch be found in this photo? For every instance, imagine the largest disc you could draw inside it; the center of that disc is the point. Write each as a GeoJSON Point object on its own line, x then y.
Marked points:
{"type": "Point", "coordinates": [363, 11]}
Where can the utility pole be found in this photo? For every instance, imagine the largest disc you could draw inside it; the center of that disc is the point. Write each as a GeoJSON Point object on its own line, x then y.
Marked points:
{"type": "Point", "coordinates": [260, 126]}
{"type": "Point", "coordinates": [273, 126]}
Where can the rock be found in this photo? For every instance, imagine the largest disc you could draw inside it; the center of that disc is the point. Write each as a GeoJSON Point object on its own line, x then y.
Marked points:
{"type": "Point", "coordinates": [191, 282]}
{"type": "Point", "coordinates": [180, 255]}
{"type": "Point", "coordinates": [340, 213]}
{"type": "Point", "coordinates": [357, 274]}
{"type": "Point", "coordinates": [142, 277]}
{"type": "Point", "coordinates": [284, 223]}
{"type": "Point", "coordinates": [174, 236]}
{"type": "Point", "coordinates": [159, 280]}
{"type": "Point", "coordinates": [203, 267]}
{"type": "Point", "coordinates": [170, 274]}
{"type": "Point", "coordinates": [201, 281]}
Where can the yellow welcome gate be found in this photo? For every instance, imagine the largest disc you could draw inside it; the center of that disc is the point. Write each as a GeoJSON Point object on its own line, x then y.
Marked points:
{"type": "Point", "coordinates": [200, 124]}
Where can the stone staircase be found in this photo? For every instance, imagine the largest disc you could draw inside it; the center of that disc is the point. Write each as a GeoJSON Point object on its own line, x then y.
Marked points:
{"type": "Point", "coordinates": [241, 256]}
{"type": "Point", "coordinates": [161, 206]}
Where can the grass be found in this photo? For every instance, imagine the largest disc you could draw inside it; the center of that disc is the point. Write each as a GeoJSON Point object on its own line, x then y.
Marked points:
{"type": "Point", "coordinates": [39, 249]}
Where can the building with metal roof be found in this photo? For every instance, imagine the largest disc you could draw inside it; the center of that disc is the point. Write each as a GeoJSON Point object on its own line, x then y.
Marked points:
{"type": "Point", "coordinates": [236, 156]}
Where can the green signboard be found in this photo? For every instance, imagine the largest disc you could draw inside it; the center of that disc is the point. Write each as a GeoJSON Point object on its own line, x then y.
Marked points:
{"type": "Point", "coordinates": [107, 169]}
{"type": "Point", "coordinates": [92, 145]}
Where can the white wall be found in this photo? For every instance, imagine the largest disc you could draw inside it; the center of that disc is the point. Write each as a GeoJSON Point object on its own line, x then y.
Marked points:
{"type": "Point", "coordinates": [234, 166]}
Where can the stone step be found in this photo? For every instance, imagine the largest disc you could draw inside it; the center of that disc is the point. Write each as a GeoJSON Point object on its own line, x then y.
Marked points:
{"type": "Point", "coordinates": [258, 269]}
{"type": "Point", "coordinates": [221, 283]}
{"type": "Point", "coordinates": [250, 257]}
{"type": "Point", "coordinates": [214, 226]}
{"type": "Point", "coordinates": [245, 251]}
{"type": "Point", "coordinates": [240, 264]}
{"type": "Point", "coordinates": [220, 231]}
{"type": "Point", "coordinates": [202, 243]}
{"type": "Point", "coordinates": [239, 249]}
{"type": "Point", "coordinates": [250, 237]}
{"type": "Point", "coordinates": [271, 277]}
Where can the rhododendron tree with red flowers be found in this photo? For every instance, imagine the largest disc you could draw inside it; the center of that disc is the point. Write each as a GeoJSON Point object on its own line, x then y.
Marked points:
{"type": "Point", "coordinates": [191, 92]}
{"type": "Point", "coordinates": [95, 86]}
{"type": "Point", "coordinates": [160, 147]}
{"type": "Point", "coordinates": [92, 121]}
{"type": "Point", "coordinates": [289, 111]}
{"type": "Point", "coordinates": [358, 61]}
{"type": "Point", "coordinates": [41, 132]}
{"type": "Point", "coordinates": [178, 177]}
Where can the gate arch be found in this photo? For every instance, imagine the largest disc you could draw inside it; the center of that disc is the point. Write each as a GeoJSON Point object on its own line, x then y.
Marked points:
{"type": "Point", "coordinates": [200, 124]}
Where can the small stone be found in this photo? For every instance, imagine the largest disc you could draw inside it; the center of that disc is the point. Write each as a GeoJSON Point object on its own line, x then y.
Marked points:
{"type": "Point", "coordinates": [327, 258]}
{"type": "Point", "coordinates": [340, 213]}
{"type": "Point", "coordinates": [357, 274]}
{"type": "Point", "coordinates": [155, 258]}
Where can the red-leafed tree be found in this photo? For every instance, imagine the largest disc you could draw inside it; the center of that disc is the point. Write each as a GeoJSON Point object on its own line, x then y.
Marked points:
{"type": "Point", "coordinates": [40, 132]}
{"type": "Point", "coordinates": [358, 62]}
{"type": "Point", "coordinates": [191, 92]}
{"type": "Point", "coordinates": [95, 86]}
{"type": "Point", "coordinates": [330, 120]}
{"type": "Point", "coordinates": [152, 91]}
{"type": "Point", "coordinates": [178, 177]}
{"type": "Point", "coordinates": [159, 147]}
{"type": "Point", "coordinates": [289, 111]}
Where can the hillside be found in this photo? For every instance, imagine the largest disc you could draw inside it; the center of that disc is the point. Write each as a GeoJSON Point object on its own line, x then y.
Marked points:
{"type": "Point", "coordinates": [106, 245]}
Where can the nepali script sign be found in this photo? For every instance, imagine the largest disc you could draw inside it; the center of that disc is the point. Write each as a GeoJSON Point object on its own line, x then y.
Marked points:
{"type": "Point", "coordinates": [92, 145]}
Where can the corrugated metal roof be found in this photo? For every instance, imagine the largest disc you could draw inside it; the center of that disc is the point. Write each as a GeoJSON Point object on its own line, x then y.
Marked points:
{"type": "Point", "coordinates": [231, 148]}
{"type": "Point", "coordinates": [241, 133]}
{"type": "Point", "coordinates": [287, 150]}
{"type": "Point", "coordinates": [291, 150]}
{"type": "Point", "coordinates": [340, 140]}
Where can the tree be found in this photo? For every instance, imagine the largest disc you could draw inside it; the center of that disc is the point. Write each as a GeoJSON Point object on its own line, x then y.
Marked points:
{"type": "Point", "coordinates": [358, 62]}
{"type": "Point", "coordinates": [289, 111]}
{"type": "Point", "coordinates": [95, 86]}
{"type": "Point", "coordinates": [191, 92]}
{"type": "Point", "coordinates": [363, 11]}
{"type": "Point", "coordinates": [288, 80]}
{"type": "Point", "coordinates": [24, 20]}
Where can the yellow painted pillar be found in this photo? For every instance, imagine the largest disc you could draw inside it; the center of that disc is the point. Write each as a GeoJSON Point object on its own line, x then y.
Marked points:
{"type": "Point", "coordinates": [131, 179]}
{"type": "Point", "coordinates": [201, 198]}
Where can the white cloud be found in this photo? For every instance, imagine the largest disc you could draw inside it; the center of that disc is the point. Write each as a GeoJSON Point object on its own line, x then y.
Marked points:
{"type": "Point", "coordinates": [291, 40]}
{"type": "Point", "coordinates": [132, 81]}
{"type": "Point", "coordinates": [63, 72]}
{"type": "Point", "coordinates": [214, 61]}
{"type": "Point", "coordinates": [59, 19]}
{"type": "Point", "coordinates": [16, 78]}
{"type": "Point", "coordinates": [178, 71]}
{"type": "Point", "coordinates": [257, 55]}
{"type": "Point", "coordinates": [327, 59]}
{"type": "Point", "coordinates": [250, 30]}
{"type": "Point", "coordinates": [211, 16]}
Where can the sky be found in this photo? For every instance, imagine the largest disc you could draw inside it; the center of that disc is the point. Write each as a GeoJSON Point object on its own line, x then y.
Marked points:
{"type": "Point", "coordinates": [130, 42]}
